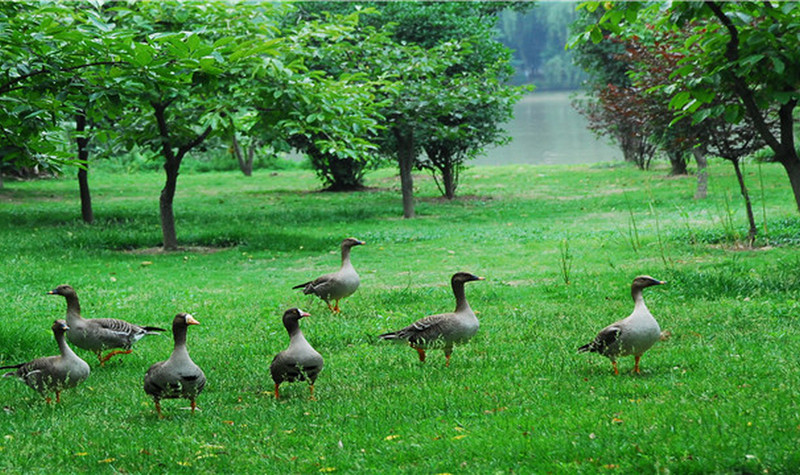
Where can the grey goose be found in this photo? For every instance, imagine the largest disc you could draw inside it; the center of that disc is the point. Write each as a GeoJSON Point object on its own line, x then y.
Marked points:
{"type": "Point", "coordinates": [442, 330]}
{"type": "Point", "coordinates": [52, 373]}
{"type": "Point", "coordinates": [632, 335]}
{"type": "Point", "coordinates": [336, 285]}
{"type": "Point", "coordinates": [178, 376]}
{"type": "Point", "coordinates": [300, 361]}
{"type": "Point", "coordinates": [99, 334]}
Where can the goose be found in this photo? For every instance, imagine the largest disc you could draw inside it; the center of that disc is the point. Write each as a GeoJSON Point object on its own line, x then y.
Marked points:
{"type": "Point", "coordinates": [300, 361]}
{"type": "Point", "coordinates": [53, 373]}
{"type": "Point", "coordinates": [632, 335]}
{"type": "Point", "coordinates": [98, 334]}
{"type": "Point", "coordinates": [445, 329]}
{"type": "Point", "coordinates": [336, 285]}
{"type": "Point", "coordinates": [178, 376]}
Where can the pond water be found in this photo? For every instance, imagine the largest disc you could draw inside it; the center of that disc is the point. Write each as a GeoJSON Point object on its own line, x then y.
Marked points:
{"type": "Point", "coordinates": [546, 129]}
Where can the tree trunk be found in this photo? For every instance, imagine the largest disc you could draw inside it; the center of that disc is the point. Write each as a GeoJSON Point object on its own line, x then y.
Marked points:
{"type": "Point", "coordinates": [172, 164]}
{"type": "Point", "coordinates": [678, 163]}
{"type": "Point", "coordinates": [405, 157]}
{"type": "Point", "coordinates": [245, 165]}
{"type": "Point", "coordinates": [449, 181]}
{"type": "Point", "coordinates": [251, 152]}
{"type": "Point", "coordinates": [791, 163]}
{"type": "Point", "coordinates": [165, 206]}
{"type": "Point", "coordinates": [702, 174]}
{"type": "Point", "coordinates": [751, 234]}
{"type": "Point", "coordinates": [83, 173]}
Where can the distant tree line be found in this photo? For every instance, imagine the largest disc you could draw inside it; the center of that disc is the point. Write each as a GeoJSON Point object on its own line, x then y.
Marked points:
{"type": "Point", "coordinates": [537, 35]}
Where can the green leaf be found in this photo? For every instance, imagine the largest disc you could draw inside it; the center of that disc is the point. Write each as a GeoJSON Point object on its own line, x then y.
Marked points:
{"type": "Point", "coordinates": [142, 54]}
{"type": "Point", "coordinates": [778, 65]}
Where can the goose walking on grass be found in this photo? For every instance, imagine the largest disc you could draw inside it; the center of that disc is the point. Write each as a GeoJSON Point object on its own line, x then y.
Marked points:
{"type": "Point", "coordinates": [445, 329]}
{"type": "Point", "coordinates": [178, 376]}
{"type": "Point", "coordinates": [99, 334]}
{"type": "Point", "coordinates": [53, 373]}
{"type": "Point", "coordinates": [336, 285]}
{"type": "Point", "coordinates": [300, 361]}
{"type": "Point", "coordinates": [630, 336]}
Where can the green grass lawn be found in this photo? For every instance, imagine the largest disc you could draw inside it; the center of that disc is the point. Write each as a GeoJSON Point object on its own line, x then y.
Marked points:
{"type": "Point", "coordinates": [720, 396]}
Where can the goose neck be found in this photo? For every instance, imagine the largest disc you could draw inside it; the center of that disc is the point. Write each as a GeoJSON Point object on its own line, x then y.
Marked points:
{"type": "Point", "coordinates": [461, 297]}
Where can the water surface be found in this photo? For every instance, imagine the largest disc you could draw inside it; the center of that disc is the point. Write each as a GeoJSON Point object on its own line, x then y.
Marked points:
{"type": "Point", "coordinates": [546, 129]}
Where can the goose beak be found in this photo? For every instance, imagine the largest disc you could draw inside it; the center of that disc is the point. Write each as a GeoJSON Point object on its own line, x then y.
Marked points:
{"type": "Point", "coordinates": [52, 292]}
{"type": "Point", "coordinates": [304, 314]}
{"type": "Point", "coordinates": [190, 320]}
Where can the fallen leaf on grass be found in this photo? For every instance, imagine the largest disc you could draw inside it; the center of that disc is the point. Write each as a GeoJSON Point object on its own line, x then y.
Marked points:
{"type": "Point", "coordinates": [82, 454]}
{"type": "Point", "coordinates": [108, 460]}
{"type": "Point", "coordinates": [391, 437]}
{"type": "Point", "coordinates": [327, 469]}
{"type": "Point", "coordinates": [459, 436]}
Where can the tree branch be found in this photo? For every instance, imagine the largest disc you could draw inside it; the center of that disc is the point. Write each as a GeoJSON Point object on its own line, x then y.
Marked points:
{"type": "Point", "coordinates": [744, 92]}
{"type": "Point", "coordinates": [9, 86]}
{"type": "Point", "coordinates": [194, 143]}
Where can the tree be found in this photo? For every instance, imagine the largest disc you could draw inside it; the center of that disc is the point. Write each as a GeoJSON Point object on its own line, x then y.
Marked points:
{"type": "Point", "coordinates": [745, 51]}
{"type": "Point", "coordinates": [185, 59]}
{"type": "Point", "coordinates": [616, 107]}
{"type": "Point", "coordinates": [47, 51]}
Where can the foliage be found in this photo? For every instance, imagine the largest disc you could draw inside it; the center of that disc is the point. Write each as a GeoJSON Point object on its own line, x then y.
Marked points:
{"type": "Point", "coordinates": [516, 398]}
{"type": "Point", "coordinates": [49, 52]}
{"type": "Point", "coordinates": [339, 53]}
{"type": "Point", "coordinates": [616, 107]}
{"type": "Point", "coordinates": [739, 61]}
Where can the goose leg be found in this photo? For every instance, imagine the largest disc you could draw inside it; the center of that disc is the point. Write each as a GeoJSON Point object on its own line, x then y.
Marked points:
{"type": "Point", "coordinates": [636, 366]}
{"type": "Point", "coordinates": [336, 307]}
{"type": "Point", "coordinates": [158, 410]}
{"type": "Point", "coordinates": [277, 394]}
{"type": "Point", "coordinates": [112, 353]}
{"type": "Point", "coordinates": [332, 309]}
{"type": "Point", "coordinates": [58, 397]}
{"type": "Point", "coordinates": [448, 350]}
{"type": "Point", "coordinates": [194, 405]}
{"type": "Point", "coordinates": [421, 354]}
{"type": "Point", "coordinates": [311, 389]}
{"type": "Point", "coordinates": [614, 363]}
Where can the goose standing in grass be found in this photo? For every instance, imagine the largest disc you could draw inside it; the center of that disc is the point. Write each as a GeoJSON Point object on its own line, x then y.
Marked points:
{"type": "Point", "coordinates": [300, 361]}
{"type": "Point", "coordinates": [630, 336]}
{"type": "Point", "coordinates": [445, 329]}
{"type": "Point", "coordinates": [336, 285]}
{"type": "Point", "coordinates": [178, 376]}
{"type": "Point", "coordinates": [53, 373]}
{"type": "Point", "coordinates": [98, 334]}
